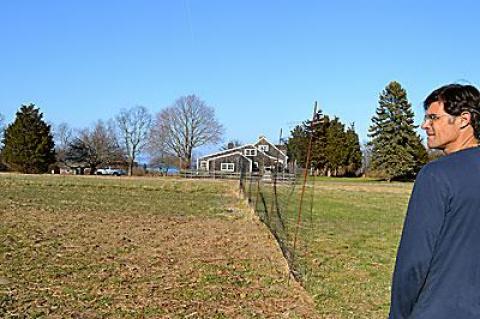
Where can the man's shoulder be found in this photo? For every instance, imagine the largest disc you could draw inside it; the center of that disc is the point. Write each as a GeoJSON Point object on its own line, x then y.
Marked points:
{"type": "Point", "coordinates": [436, 165]}
{"type": "Point", "coordinates": [461, 160]}
{"type": "Point", "coordinates": [462, 156]}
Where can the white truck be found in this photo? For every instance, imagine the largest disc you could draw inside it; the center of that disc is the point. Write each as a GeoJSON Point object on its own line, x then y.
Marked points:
{"type": "Point", "coordinates": [110, 171]}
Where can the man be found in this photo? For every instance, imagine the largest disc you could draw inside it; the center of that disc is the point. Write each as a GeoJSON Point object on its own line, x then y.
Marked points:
{"type": "Point", "coordinates": [437, 273]}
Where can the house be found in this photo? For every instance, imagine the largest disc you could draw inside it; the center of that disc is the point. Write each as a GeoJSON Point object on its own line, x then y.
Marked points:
{"type": "Point", "coordinates": [262, 156]}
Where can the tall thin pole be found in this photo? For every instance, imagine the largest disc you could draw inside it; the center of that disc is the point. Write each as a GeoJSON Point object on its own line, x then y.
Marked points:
{"type": "Point", "coordinates": [302, 194]}
{"type": "Point", "coordinates": [274, 197]}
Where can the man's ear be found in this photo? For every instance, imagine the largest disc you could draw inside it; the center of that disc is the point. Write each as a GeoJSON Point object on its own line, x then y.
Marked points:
{"type": "Point", "coordinates": [465, 119]}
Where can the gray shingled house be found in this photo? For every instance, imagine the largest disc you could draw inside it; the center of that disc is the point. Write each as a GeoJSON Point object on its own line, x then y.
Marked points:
{"type": "Point", "coordinates": [259, 157]}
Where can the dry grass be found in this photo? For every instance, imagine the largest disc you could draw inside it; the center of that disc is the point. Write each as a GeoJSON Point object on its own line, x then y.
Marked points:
{"type": "Point", "coordinates": [75, 247]}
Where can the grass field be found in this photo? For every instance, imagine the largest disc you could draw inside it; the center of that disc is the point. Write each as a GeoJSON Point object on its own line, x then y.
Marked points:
{"type": "Point", "coordinates": [90, 247]}
{"type": "Point", "coordinates": [73, 247]}
{"type": "Point", "coordinates": [357, 229]}
{"type": "Point", "coordinates": [346, 240]}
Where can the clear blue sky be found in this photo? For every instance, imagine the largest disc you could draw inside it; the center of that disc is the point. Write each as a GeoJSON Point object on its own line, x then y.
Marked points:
{"type": "Point", "coordinates": [260, 64]}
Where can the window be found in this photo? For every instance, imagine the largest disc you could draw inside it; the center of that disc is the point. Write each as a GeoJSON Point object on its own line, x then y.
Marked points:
{"type": "Point", "coordinates": [250, 152]}
{"type": "Point", "coordinates": [263, 148]}
{"type": "Point", "coordinates": [203, 164]}
{"type": "Point", "coordinates": [227, 167]}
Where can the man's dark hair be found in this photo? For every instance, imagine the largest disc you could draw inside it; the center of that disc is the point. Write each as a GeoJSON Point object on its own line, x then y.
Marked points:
{"type": "Point", "coordinates": [457, 98]}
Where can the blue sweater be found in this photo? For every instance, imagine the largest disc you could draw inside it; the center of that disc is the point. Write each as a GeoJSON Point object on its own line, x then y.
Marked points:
{"type": "Point", "coordinates": [437, 273]}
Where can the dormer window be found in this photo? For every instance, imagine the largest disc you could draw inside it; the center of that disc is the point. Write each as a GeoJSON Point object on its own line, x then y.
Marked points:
{"type": "Point", "coordinates": [263, 148]}
{"type": "Point", "coordinates": [250, 152]}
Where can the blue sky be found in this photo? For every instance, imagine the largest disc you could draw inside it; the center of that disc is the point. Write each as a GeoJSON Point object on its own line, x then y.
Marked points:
{"type": "Point", "coordinates": [260, 64]}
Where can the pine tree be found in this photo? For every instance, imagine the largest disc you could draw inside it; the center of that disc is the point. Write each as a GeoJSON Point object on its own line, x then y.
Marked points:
{"type": "Point", "coordinates": [319, 141]}
{"type": "Point", "coordinates": [297, 145]}
{"type": "Point", "coordinates": [396, 147]}
{"type": "Point", "coordinates": [336, 151]}
{"type": "Point", "coordinates": [354, 153]}
{"type": "Point", "coordinates": [28, 142]}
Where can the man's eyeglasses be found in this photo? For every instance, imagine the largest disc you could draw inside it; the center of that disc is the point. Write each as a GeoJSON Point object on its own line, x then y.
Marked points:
{"type": "Point", "coordinates": [432, 117]}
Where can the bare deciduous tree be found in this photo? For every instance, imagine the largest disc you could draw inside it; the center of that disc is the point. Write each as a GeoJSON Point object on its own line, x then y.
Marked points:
{"type": "Point", "coordinates": [163, 161]}
{"type": "Point", "coordinates": [187, 124]}
{"type": "Point", "coordinates": [366, 150]}
{"type": "Point", "coordinates": [94, 147]}
{"type": "Point", "coordinates": [62, 134]}
{"type": "Point", "coordinates": [134, 127]}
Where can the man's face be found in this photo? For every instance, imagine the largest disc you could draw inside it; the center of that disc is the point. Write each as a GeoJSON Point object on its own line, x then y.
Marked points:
{"type": "Point", "coordinates": [442, 131]}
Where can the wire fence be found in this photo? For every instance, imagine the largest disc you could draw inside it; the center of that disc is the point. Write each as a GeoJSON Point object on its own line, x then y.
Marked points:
{"type": "Point", "coordinates": [284, 202]}
{"type": "Point", "coordinates": [278, 203]}
{"type": "Point", "coordinates": [204, 174]}
{"type": "Point", "coordinates": [277, 199]}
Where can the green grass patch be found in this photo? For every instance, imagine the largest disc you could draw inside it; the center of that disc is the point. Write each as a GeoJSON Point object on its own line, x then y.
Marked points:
{"type": "Point", "coordinates": [113, 195]}
{"type": "Point", "coordinates": [344, 244]}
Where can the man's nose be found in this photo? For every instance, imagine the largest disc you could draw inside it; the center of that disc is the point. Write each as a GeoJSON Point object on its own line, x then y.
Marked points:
{"type": "Point", "coordinates": [425, 125]}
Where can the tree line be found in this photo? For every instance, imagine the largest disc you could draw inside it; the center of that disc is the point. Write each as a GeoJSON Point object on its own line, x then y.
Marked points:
{"type": "Point", "coordinates": [395, 150]}
{"type": "Point", "coordinates": [28, 144]}
{"type": "Point", "coordinates": [335, 149]}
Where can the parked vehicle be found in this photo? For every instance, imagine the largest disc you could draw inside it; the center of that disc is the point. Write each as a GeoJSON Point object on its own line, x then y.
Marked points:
{"type": "Point", "coordinates": [111, 171]}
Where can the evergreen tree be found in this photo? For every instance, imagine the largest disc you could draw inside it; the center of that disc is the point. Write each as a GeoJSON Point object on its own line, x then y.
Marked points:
{"type": "Point", "coordinates": [318, 130]}
{"type": "Point", "coordinates": [336, 147]}
{"type": "Point", "coordinates": [334, 151]}
{"type": "Point", "coordinates": [421, 154]}
{"type": "Point", "coordinates": [396, 147]}
{"type": "Point", "coordinates": [354, 153]}
{"type": "Point", "coordinates": [28, 142]}
{"type": "Point", "coordinates": [297, 145]}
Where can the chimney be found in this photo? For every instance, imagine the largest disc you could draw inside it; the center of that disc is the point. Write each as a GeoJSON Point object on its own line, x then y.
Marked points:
{"type": "Point", "coordinates": [230, 145]}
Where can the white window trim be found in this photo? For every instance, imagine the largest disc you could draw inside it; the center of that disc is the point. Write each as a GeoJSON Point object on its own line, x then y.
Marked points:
{"type": "Point", "coordinates": [227, 167]}
{"type": "Point", "coordinates": [271, 144]}
{"type": "Point", "coordinates": [204, 165]}
{"type": "Point", "coordinates": [263, 147]}
{"type": "Point", "coordinates": [250, 152]}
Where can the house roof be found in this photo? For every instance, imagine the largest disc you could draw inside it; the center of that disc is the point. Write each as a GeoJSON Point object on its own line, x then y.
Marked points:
{"type": "Point", "coordinates": [229, 154]}
{"type": "Point", "coordinates": [265, 139]}
{"type": "Point", "coordinates": [226, 151]}
{"type": "Point", "coordinates": [239, 153]}
{"type": "Point", "coordinates": [246, 145]}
